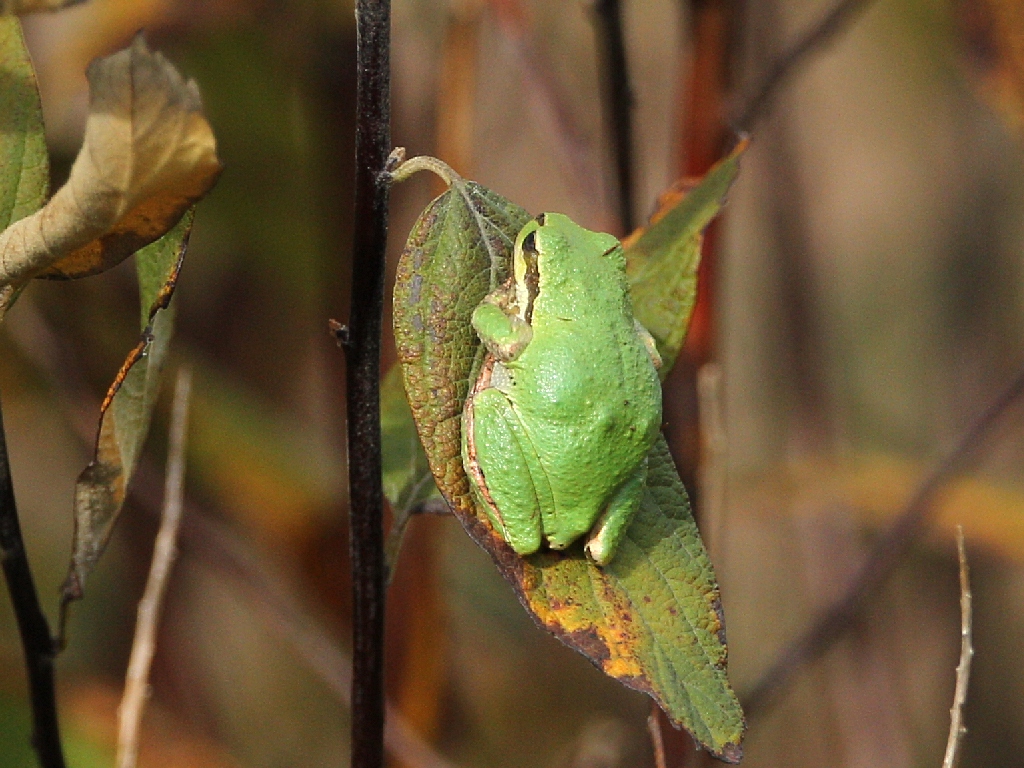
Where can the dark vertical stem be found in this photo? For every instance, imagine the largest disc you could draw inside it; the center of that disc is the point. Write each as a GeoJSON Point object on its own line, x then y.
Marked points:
{"type": "Point", "coordinates": [35, 631]}
{"type": "Point", "coordinates": [366, 497]}
{"type": "Point", "coordinates": [618, 101]}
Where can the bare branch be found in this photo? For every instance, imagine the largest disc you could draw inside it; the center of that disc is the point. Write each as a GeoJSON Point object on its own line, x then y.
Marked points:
{"type": "Point", "coordinates": [654, 729]}
{"type": "Point", "coordinates": [753, 105]}
{"type": "Point", "coordinates": [553, 113]}
{"type": "Point", "coordinates": [618, 101]}
{"type": "Point", "coordinates": [362, 376]}
{"type": "Point", "coordinates": [36, 640]}
{"type": "Point", "coordinates": [136, 688]}
{"type": "Point", "coordinates": [714, 458]}
{"type": "Point", "coordinates": [881, 561]}
{"type": "Point", "coordinates": [957, 729]}
{"type": "Point", "coordinates": [218, 547]}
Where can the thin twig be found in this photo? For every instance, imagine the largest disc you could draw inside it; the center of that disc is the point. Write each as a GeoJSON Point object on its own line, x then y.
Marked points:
{"type": "Point", "coordinates": [957, 729]}
{"type": "Point", "coordinates": [280, 608]}
{"type": "Point", "coordinates": [218, 547]}
{"type": "Point", "coordinates": [457, 82]}
{"type": "Point", "coordinates": [362, 354]}
{"type": "Point", "coordinates": [36, 640]}
{"type": "Point", "coordinates": [657, 741]}
{"type": "Point", "coordinates": [881, 562]}
{"type": "Point", "coordinates": [553, 113]}
{"type": "Point", "coordinates": [712, 469]}
{"type": "Point", "coordinates": [136, 687]}
{"type": "Point", "coordinates": [618, 101]}
{"type": "Point", "coordinates": [753, 105]}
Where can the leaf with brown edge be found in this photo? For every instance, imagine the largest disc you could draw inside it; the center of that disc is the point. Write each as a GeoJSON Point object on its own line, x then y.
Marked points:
{"type": "Point", "coordinates": [652, 617]}
{"type": "Point", "coordinates": [148, 155]}
{"type": "Point", "coordinates": [126, 411]}
{"type": "Point", "coordinates": [456, 253]}
{"type": "Point", "coordinates": [662, 258]}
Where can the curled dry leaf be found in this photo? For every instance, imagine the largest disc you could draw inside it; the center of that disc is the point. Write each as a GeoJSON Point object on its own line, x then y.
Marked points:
{"type": "Point", "coordinates": [148, 155]}
{"type": "Point", "coordinates": [126, 411]}
{"type": "Point", "coordinates": [8, 7]}
{"type": "Point", "coordinates": [652, 618]}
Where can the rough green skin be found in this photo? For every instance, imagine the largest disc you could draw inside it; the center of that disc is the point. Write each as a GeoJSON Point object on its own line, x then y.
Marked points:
{"type": "Point", "coordinates": [560, 438]}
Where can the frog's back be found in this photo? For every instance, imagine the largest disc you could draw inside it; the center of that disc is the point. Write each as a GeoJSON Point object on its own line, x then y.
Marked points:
{"type": "Point", "coordinates": [594, 392]}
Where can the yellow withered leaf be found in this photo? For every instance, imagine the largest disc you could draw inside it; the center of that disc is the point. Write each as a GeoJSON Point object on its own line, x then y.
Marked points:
{"type": "Point", "coordinates": [148, 155]}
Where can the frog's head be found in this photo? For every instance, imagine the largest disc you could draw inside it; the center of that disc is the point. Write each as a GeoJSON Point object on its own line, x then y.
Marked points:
{"type": "Point", "coordinates": [554, 248]}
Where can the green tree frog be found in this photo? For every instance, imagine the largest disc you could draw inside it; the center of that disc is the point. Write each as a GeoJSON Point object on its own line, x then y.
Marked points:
{"type": "Point", "coordinates": [557, 429]}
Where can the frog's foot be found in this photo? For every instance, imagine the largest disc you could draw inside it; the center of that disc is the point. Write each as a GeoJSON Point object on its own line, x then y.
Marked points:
{"type": "Point", "coordinates": [504, 481]}
{"type": "Point", "coordinates": [504, 335]}
{"type": "Point", "coordinates": [611, 526]}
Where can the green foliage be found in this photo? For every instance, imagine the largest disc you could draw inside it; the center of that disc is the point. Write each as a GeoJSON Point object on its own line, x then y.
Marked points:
{"type": "Point", "coordinates": [662, 259]}
{"type": "Point", "coordinates": [652, 618]}
{"type": "Point", "coordinates": [148, 154]}
{"type": "Point", "coordinates": [407, 478]}
{"type": "Point", "coordinates": [127, 409]}
{"type": "Point", "coordinates": [23, 158]}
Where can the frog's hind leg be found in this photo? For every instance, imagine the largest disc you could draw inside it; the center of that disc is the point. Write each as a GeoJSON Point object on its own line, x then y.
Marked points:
{"type": "Point", "coordinates": [609, 529]}
{"type": "Point", "coordinates": [502, 450]}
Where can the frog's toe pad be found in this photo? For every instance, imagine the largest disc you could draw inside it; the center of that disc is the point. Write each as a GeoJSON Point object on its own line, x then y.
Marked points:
{"type": "Point", "coordinates": [598, 550]}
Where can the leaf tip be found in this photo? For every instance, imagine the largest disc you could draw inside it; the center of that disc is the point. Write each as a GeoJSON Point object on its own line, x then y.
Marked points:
{"type": "Point", "coordinates": [730, 753]}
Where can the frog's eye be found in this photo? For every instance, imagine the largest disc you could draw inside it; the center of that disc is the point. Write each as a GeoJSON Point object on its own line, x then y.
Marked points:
{"type": "Point", "coordinates": [530, 242]}
{"type": "Point", "coordinates": [542, 219]}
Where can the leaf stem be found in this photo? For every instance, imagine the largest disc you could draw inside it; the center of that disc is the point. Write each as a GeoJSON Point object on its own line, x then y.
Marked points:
{"type": "Point", "coordinates": [366, 495]}
{"type": "Point", "coordinates": [618, 102]}
{"type": "Point", "coordinates": [36, 639]}
{"type": "Point", "coordinates": [407, 168]}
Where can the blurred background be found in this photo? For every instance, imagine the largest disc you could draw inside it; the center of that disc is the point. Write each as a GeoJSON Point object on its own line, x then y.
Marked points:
{"type": "Point", "coordinates": [864, 307]}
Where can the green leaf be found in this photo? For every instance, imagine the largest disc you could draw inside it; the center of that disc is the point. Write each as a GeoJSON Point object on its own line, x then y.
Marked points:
{"type": "Point", "coordinates": [127, 410]}
{"type": "Point", "coordinates": [23, 158]}
{"type": "Point", "coordinates": [407, 478]}
{"type": "Point", "coordinates": [652, 618]}
{"type": "Point", "coordinates": [456, 253]}
{"type": "Point", "coordinates": [147, 156]}
{"type": "Point", "coordinates": [662, 258]}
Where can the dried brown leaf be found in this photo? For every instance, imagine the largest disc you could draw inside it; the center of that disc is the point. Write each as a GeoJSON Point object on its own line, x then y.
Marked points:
{"type": "Point", "coordinates": [148, 155]}
{"type": "Point", "coordinates": [126, 411]}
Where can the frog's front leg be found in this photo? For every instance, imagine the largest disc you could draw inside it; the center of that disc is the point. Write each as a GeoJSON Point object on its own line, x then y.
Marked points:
{"type": "Point", "coordinates": [504, 335]}
{"type": "Point", "coordinates": [505, 463]}
{"type": "Point", "coordinates": [611, 526]}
